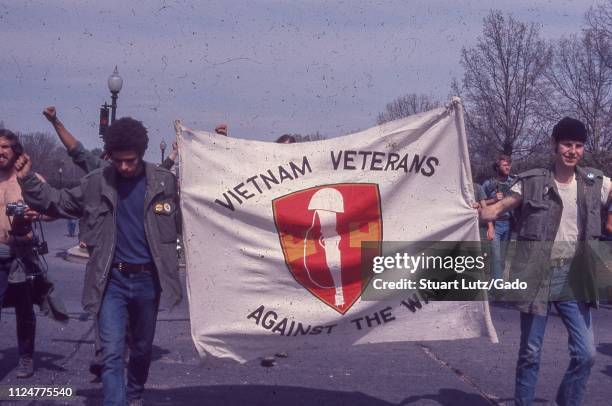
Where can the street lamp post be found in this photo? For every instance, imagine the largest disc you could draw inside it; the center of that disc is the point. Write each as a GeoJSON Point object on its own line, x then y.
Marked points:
{"type": "Point", "coordinates": [115, 83]}
{"type": "Point", "coordinates": [60, 171]}
{"type": "Point", "coordinates": [162, 147]}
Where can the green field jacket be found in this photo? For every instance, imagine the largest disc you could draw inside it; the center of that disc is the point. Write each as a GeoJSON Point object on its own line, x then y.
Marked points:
{"type": "Point", "coordinates": [94, 201]}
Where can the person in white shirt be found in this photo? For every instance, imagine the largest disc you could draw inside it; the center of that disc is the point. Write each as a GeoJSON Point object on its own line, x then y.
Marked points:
{"type": "Point", "coordinates": [560, 209]}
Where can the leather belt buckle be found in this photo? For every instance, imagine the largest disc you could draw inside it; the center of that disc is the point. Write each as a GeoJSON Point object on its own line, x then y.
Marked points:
{"type": "Point", "coordinates": [128, 268]}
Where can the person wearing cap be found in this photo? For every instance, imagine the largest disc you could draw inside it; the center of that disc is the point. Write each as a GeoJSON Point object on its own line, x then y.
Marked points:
{"type": "Point", "coordinates": [560, 214]}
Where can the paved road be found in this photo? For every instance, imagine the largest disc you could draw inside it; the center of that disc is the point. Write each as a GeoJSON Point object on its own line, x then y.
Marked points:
{"type": "Point", "coordinates": [470, 372]}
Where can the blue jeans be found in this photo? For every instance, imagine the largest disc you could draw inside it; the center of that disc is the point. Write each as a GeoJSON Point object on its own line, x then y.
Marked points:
{"type": "Point", "coordinates": [130, 301]}
{"type": "Point", "coordinates": [576, 317]}
{"type": "Point", "coordinates": [499, 248]}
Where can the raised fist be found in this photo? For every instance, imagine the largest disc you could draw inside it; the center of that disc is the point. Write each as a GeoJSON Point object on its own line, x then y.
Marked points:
{"type": "Point", "coordinates": [50, 114]}
{"type": "Point", "coordinates": [23, 165]}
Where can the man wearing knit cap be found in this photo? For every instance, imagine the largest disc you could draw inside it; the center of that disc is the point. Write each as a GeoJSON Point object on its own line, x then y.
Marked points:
{"type": "Point", "coordinates": [560, 213]}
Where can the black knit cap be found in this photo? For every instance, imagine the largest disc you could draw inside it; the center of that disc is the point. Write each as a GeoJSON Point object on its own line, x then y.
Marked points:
{"type": "Point", "coordinates": [569, 129]}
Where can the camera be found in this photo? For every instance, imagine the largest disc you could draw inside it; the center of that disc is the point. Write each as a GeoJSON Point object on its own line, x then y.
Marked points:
{"type": "Point", "coordinates": [19, 225]}
{"type": "Point", "coordinates": [16, 209]}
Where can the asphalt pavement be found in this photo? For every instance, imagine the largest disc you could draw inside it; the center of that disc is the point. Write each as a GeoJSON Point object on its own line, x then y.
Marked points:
{"type": "Point", "coordinates": [464, 372]}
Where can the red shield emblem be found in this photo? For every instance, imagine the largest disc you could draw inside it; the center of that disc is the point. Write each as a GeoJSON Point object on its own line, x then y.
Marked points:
{"type": "Point", "coordinates": [321, 230]}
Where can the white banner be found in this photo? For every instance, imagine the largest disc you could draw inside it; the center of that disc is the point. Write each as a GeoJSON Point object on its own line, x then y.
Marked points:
{"type": "Point", "coordinates": [272, 234]}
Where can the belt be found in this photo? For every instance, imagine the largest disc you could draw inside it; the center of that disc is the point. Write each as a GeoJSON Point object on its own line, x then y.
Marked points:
{"type": "Point", "coordinates": [560, 262]}
{"type": "Point", "coordinates": [125, 267]}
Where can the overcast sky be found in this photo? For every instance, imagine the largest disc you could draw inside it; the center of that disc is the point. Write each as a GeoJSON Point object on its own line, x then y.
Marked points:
{"type": "Point", "coordinates": [264, 67]}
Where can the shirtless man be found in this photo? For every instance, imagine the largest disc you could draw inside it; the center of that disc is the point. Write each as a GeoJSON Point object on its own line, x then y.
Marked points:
{"type": "Point", "coordinates": [15, 237]}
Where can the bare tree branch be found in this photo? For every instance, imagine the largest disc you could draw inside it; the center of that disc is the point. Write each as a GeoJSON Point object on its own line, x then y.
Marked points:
{"type": "Point", "coordinates": [405, 106]}
{"type": "Point", "coordinates": [581, 83]}
{"type": "Point", "coordinates": [48, 157]}
{"type": "Point", "coordinates": [501, 86]}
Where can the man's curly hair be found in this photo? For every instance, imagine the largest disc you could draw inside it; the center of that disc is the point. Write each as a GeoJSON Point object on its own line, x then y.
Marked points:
{"type": "Point", "coordinates": [126, 134]}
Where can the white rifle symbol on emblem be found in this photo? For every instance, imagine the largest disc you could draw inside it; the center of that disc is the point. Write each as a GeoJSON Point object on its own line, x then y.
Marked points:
{"type": "Point", "coordinates": [326, 203]}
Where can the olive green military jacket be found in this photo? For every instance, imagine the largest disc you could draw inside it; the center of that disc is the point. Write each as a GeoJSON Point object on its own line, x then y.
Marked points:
{"type": "Point", "coordinates": [540, 218]}
{"type": "Point", "coordinates": [94, 200]}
